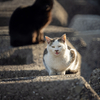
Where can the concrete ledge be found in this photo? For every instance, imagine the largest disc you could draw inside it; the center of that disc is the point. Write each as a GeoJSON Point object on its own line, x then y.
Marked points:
{"type": "Point", "coordinates": [21, 72]}
{"type": "Point", "coordinates": [51, 30]}
{"type": "Point", "coordinates": [12, 66]}
{"type": "Point", "coordinates": [48, 88]}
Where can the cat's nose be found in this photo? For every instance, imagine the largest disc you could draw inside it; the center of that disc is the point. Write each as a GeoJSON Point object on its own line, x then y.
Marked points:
{"type": "Point", "coordinates": [56, 50]}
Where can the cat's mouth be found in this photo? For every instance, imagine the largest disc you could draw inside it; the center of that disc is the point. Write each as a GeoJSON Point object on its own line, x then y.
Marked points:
{"type": "Point", "coordinates": [57, 53]}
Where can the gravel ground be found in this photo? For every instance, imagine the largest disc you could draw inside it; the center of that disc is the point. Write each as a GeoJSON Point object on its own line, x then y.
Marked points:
{"type": "Point", "coordinates": [95, 80]}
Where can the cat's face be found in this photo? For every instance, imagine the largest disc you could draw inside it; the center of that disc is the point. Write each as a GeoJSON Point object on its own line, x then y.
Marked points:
{"type": "Point", "coordinates": [56, 46]}
{"type": "Point", "coordinates": [45, 4]}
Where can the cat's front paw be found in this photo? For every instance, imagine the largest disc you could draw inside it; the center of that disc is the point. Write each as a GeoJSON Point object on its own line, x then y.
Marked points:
{"type": "Point", "coordinates": [52, 73]}
{"type": "Point", "coordinates": [61, 73]}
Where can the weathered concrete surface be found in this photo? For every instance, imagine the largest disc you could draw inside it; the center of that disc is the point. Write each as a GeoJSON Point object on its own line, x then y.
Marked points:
{"type": "Point", "coordinates": [21, 76]}
{"type": "Point", "coordinates": [94, 80]}
{"type": "Point", "coordinates": [48, 88]}
{"type": "Point", "coordinates": [28, 81]}
{"type": "Point", "coordinates": [20, 81]}
{"type": "Point", "coordinates": [87, 44]}
{"type": "Point", "coordinates": [59, 15]}
{"type": "Point", "coordinates": [85, 22]}
{"type": "Point", "coordinates": [66, 11]}
{"type": "Point", "coordinates": [90, 50]}
{"type": "Point", "coordinates": [89, 35]}
{"type": "Point", "coordinates": [26, 54]}
{"type": "Point", "coordinates": [28, 63]}
{"type": "Point", "coordinates": [32, 54]}
{"type": "Point", "coordinates": [74, 7]}
{"type": "Point", "coordinates": [50, 30]}
{"type": "Point", "coordinates": [21, 72]}
{"type": "Point", "coordinates": [80, 40]}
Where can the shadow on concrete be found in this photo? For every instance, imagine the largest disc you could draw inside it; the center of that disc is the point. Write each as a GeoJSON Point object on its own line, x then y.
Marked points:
{"type": "Point", "coordinates": [21, 74]}
{"type": "Point", "coordinates": [17, 57]}
{"type": "Point", "coordinates": [4, 21]}
{"type": "Point", "coordinates": [13, 60]}
{"type": "Point", "coordinates": [24, 74]}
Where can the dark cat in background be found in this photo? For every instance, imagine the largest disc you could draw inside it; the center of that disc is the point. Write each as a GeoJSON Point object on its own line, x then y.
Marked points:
{"type": "Point", "coordinates": [27, 23]}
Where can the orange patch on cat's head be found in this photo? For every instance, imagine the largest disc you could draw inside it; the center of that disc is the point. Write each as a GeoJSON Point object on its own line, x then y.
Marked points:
{"type": "Point", "coordinates": [47, 39]}
{"type": "Point", "coordinates": [64, 37]}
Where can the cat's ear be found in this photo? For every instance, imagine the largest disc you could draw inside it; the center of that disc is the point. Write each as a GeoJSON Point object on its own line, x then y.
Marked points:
{"type": "Point", "coordinates": [47, 7]}
{"type": "Point", "coordinates": [63, 38]}
{"type": "Point", "coordinates": [48, 39]}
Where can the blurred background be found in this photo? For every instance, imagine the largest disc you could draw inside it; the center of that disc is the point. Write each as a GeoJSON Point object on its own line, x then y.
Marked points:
{"type": "Point", "coordinates": [79, 19]}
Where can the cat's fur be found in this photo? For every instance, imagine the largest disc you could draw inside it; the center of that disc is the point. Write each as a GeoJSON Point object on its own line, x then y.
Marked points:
{"type": "Point", "coordinates": [27, 23]}
{"type": "Point", "coordinates": [58, 57]}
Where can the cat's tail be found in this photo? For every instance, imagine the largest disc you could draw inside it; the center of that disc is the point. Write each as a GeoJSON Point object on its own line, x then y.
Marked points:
{"type": "Point", "coordinates": [75, 64]}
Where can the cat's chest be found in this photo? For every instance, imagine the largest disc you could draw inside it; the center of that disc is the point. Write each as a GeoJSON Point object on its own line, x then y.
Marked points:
{"type": "Point", "coordinates": [58, 63]}
{"type": "Point", "coordinates": [56, 60]}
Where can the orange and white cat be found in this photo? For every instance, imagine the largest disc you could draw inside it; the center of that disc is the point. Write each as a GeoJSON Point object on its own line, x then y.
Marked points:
{"type": "Point", "coordinates": [58, 57]}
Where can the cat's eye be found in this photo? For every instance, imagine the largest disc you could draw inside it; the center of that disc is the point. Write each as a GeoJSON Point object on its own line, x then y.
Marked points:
{"type": "Point", "coordinates": [59, 46]}
{"type": "Point", "coordinates": [53, 46]}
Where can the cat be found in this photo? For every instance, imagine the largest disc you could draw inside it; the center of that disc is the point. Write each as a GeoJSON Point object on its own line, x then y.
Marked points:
{"type": "Point", "coordinates": [27, 23]}
{"type": "Point", "coordinates": [58, 57]}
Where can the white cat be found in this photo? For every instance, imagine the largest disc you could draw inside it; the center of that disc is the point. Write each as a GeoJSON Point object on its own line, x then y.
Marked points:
{"type": "Point", "coordinates": [58, 57]}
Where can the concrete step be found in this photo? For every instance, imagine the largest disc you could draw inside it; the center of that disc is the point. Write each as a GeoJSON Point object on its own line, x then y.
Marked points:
{"type": "Point", "coordinates": [21, 72]}
{"type": "Point", "coordinates": [25, 62]}
{"type": "Point", "coordinates": [94, 80]}
{"type": "Point", "coordinates": [5, 16]}
{"type": "Point", "coordinates": [4, 43]}
{"type": "Point", "coordinates": [21, 55]}
{"type": "Point", "coordinates": [15, 3]}
{"type": "Point", "coordinates": [5, 13]}
{"type": "Point", "coordinates": [80, 40]}
{"type": "Point", "coordinates": [89, 35]}
{"type": "Point", "coordinates": [51, 30]}
{"type": "Point", "coordinates": [24, 55]}
{"type": "Point", "coordinates": [18, 57]}
{"type": "Point", "coordinates": [22, 66]}
{"type": "Point", "coordinates": [3, 28]}
{"type": "Point", "coordinates": [25, 72]}
{"type": "Point", "coordinates": [88, 50]}
{"type": "Point", "coordinates": [48, 88]}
